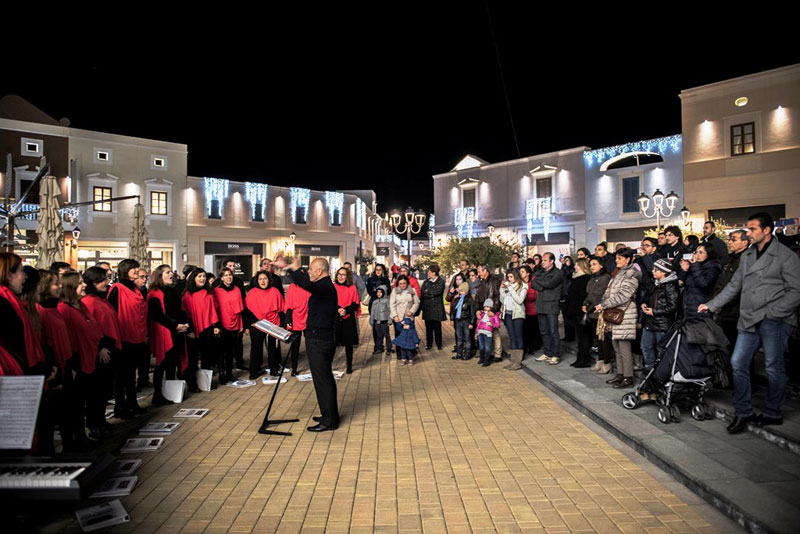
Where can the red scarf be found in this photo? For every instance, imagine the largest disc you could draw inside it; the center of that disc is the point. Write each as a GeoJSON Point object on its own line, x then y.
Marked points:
{"type": "Point", "coordinates": [348, 295]}
{"type": "Point", "coordinates": [106, 317]}
{"type": "Point", "coordinates": [265, 304]}
{"type": "Point", "coordinates": [84, 334]}
{"type": "Point", "coordinates": [33, 348]}
{"type": "Point", "coordinates": [200, 307]}
{"type": "Point", "coordinates": [229, 304]}
{"type": "Point", "coordinates": [297, 301]}
{"type": "Point", "coordinates": [8, 364]}
{"type": "Point", "coordinates": [55, 335]}
{"type": "Point", "coordinates": [160, 338]}
{"type": "Point", "coordinates": [132, 314]}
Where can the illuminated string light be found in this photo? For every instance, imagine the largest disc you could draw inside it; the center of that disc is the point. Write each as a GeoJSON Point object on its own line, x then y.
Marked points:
{"type": "Point", "coordinates": [388, 238]}
{"type": "Point", "coordinates": [256, 194]}
{"type": "Point", "coordinates": [215, 189]}
{"type": "Point", "coordinates": [334, 201]}
{"type": "Point", "coordinates": [660, 146]}
{"type": "Point", "coordinates": [361, 214]}
{"type": "Point", "coordinates": [538, 209]}
{"type": "Point", "coordinates": [431, 225]}
{"type": "Point", "coordinates": [465, 222]}
{"type": "Point", "coordinates": [299, 197]}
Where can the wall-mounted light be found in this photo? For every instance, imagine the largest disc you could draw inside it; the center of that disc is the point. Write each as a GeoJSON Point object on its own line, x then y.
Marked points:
{"type": "Point", "coordinates": [741, 101]}
{"type": "Point", "coordinates": [76, 233]}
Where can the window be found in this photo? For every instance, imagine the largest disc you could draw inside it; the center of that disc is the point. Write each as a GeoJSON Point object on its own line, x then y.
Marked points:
{"type": "Point", "coordinates": [158, 162]}
{"type": "Point", "coordinates": [544, 187]}
{"type": "Point", "coordinates": [102, 193]}
{"type": "Point", "coordinates": [102, 156]}
{"type": "Point", "coordinates": [31, 147]}
{"type": "Point", "coordinates": [214, 211]}
{"type": "Point", "coordinates": [300, 215]}
{"type": "Point", "coordinates": [33, 197]}
{"type": "Point", "coordinates": [743, 139]}
{"type": "Point", "coordinates": [468, 198]}
{"type": "Point", "coordinates": [630, 195]}
{"type": "Point", "coordinates": [158, 202]}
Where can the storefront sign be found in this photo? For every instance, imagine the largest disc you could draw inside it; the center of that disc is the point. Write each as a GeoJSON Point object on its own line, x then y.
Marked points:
{"type": "Point", "coordinates": [383, 251]}
{"type": "Point", "coordinates": [317, 250]}
{"type": "Point", "coordinates": [234, 249]}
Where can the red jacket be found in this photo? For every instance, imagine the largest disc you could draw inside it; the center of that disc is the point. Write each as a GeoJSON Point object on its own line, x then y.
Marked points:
{"type": "Point", "coordinates": [530, 301]}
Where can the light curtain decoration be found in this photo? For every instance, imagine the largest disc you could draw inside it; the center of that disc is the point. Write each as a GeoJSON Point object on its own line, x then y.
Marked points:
{"type": "Point", "coordinates": [139, 237]}
{"type": "Point", "coordinates": [334, 201]}
{"type": "Point", "coordinates": [659, 146]}
{"type": "Point", "coordinates": [215, 189]}
{"type": "Point", "coordinates": [538, 209]}
{"type": "Point", "coordinates": [50, 230]}
{"type": "Point", "coordinates": [388, 238]}
{"type": "Point", "coordinates": [432, 231]}
{"type": "Point", "coordinates": [361, 214]}
{"type": "Point", "coordinates": [299, 197]}
{"type": "Point", "coordinates": [256, 194]}
{"type": "Point", "coordinates": [465, 222]}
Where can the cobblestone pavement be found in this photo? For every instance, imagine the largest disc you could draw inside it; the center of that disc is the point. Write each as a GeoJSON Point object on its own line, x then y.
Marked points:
{"type": "Point", "coordinates": [443, 446]}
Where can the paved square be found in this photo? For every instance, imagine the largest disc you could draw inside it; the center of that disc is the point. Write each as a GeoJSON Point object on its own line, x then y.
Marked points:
{"type": "Point", "coordinates": [443, 446]}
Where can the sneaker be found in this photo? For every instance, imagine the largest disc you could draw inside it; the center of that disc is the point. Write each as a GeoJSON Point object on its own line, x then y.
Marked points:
{"type": "Point", "coordinates": [555, 360]}
{"type": "Point", "coordinates": [542, 358]}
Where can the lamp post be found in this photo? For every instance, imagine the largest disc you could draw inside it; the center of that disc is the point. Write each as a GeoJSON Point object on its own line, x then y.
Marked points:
{"type": "Point", "coordinates": [659, 208]}
{"type": "Point", "coordinates": [414, 221]}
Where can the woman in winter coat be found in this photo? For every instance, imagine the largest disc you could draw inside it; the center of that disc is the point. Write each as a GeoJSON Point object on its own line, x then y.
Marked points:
{"type": "Point", "coordinates": [573, 313]}
{"type": "Point", "coordinates": [595, 289]}
{"type": "Point", "coordinates": [403, 302]}
{"type": "Point", "coordinates": [699, 278]}
{"type": "Point", "coordinates": [620, 293]}
{"type": "Point", "coordinates": [349, 312]}
{"type": "Point", "coordinates": [567, 269]}
{"type": "Point", "coordinates": [531, 337]}
{"type": "Point", "coordinates": [512, 298]}
{"type": "Point", "coordinates": [433, 307]}
{"type": "Point", "coordinates": [412, 280]}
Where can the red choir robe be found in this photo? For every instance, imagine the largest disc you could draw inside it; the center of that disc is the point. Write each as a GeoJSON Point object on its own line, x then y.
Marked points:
{"type": "Point", "coordinates": [55, 335]}
{"type": "Point", "coordinates": [297, 302]}
{"type": "Point", "coordinates": [201, 309]}
{"type": "Point", "coordinates": [229, 307]}
{"type": "Point", "coordinates": [85, 334]}
{"type": "Point", "coordinates": [159, 336]}
{"type": "Point", "coordinates": [8, 364]}
{"type": "Point", "coordinates": [348, 295]}
{"type": "Point", "coordinates": [132, 314]}
{"type": "Point", "coordinates": [106, 317]}
{"type": "Point", "coordinates": [265, 304]}
{"type": "Point", "coordinates": [33, 348]}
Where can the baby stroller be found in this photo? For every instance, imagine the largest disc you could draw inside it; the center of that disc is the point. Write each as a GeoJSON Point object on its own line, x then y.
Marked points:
{"type": "Point", "coordinates": [688, 358]}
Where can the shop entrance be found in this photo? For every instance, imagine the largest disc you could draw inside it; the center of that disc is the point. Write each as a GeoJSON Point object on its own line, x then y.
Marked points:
{"type": "Point", "coordinates": [327, 252]}
{"type": "Point", "coordinates": [246, 256]}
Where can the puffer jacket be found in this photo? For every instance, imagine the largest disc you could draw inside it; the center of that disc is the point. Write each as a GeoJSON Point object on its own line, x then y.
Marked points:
{"type": "Point", "coordinates": [620, 293]}
{"type": "Point", "coordinates": [530, 301]}
{"type": "Point", "coordinates": [513, 301]}
{"type": "Point", "coordinates": [548, 284]}
{"type": "Point", "coordinates": [664, 298]}
{"type": "Point", "coordinates": [699, 282]}
{"type": "Point", "coordinates": [402, 301]}
{"type": "Point", "coordinates": [595, 289]}
{"type": "Point", "coordinates": [380, 308]}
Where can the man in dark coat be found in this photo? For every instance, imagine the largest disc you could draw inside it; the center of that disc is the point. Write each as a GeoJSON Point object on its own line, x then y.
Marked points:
{"type": "Point", "coordinates": [432, 304]}
{"type": "Point", "coordinates": [675, 249]}
{"type": "Point", "coordinates": [710, 238]}
{"type": "Point", "coordinates": [548, 283]}
{"type": "Point", "coordinates": [608, 261]}
{"type": "Point", "coordinates": [728, 315]}
{"type": "Point", "coordinates": [489, 289]}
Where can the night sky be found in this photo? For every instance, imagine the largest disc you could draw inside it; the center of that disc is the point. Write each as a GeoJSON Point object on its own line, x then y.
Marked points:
{"type": "Point", "coordinates": [359, 99]}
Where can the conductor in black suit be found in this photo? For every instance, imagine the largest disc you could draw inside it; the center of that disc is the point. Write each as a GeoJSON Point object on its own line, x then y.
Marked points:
{"type": "Point", "coordinates": [323, 310]}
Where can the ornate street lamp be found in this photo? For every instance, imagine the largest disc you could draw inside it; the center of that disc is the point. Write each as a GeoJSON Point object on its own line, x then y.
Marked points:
{"type": "Point", "coordinates": [662, 205]}
{"type": "Point", "coordinates": [414, 221]}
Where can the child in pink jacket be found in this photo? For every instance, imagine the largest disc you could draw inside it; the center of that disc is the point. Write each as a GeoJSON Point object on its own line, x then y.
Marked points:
{"type": "Point", "coordinates": [488, 322]}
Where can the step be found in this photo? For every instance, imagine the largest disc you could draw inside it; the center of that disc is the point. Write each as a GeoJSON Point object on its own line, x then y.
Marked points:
{"type": "Point", "coordinates": [744, 476]}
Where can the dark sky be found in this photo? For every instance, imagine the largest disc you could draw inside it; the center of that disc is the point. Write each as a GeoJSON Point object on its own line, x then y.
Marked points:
{"type": "Point", "coordinates": [355, 98]}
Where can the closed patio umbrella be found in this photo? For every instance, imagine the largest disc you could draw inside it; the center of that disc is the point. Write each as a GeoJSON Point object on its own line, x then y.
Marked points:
{"type": "Point", "coordinates": [139, 237]}
{"type": "Point", "coordinates": [50, 230]}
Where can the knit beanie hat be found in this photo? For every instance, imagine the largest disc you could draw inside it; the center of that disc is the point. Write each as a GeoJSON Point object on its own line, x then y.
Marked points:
{"type": "Point", "coordinates": [488, 302]}
{"type": "Point", "coordinates": [663, 265]}
{"type": "Point", "coordinates": [463, 287]}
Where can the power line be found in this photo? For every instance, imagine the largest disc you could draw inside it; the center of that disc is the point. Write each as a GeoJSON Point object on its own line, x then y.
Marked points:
{"type": "Point", "coordinates": [502, 78]}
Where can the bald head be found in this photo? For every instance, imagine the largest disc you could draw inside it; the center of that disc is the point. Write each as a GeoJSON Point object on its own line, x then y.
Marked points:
{"type": "Point", "coordinates": [318, 268]}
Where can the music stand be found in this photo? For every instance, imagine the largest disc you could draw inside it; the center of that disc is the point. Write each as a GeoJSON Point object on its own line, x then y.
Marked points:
{"type": "Point", "coordinates": [267, 421]}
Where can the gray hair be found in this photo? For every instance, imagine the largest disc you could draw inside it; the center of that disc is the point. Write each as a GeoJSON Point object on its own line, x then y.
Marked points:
{"type": "Point", "coordinates": [742, 235]}
{"type": "Point", "coordinates": [322, 262]}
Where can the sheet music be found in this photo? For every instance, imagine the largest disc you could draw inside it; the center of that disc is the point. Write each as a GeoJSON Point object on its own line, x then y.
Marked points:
{"type": "Point", "coordinates": [273, 330]}
{"type": "Point", "coordinates": [19, 407]}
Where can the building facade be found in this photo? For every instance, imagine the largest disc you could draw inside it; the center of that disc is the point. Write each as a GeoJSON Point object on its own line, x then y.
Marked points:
{"type": "Point", "coordinates": [616, 177]}
{"type": "Point", "coordinates": [246, 221]}
{"type": "Point", "coordinates": [95, 166]}
{"type": "Point", "coordinates": [741, 149]}
{"type": "Point", "coordinates": [536, 202]}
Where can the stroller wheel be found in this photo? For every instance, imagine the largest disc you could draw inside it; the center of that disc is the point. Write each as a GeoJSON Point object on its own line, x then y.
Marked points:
{"type": "Point", "coordinates": [663, 415]}
{"type": "Point", "coordinates": [675, 414]}
{"type": "Point", "coordinates": [698, 412]}
{"type": "Point", "coordinates": [630, 401]}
